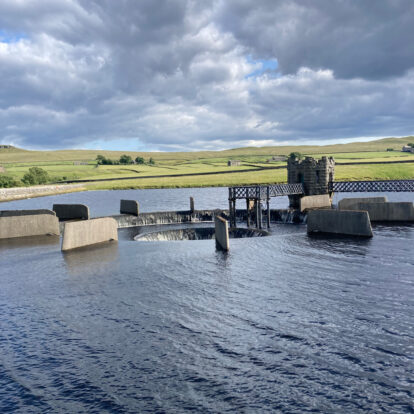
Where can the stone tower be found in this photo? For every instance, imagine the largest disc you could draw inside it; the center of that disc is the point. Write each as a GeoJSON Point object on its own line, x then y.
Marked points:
{"type": "Point", "coordinates": [315, 175]}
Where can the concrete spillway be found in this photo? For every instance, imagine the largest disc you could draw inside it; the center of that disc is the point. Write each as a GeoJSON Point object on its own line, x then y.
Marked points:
{"type": "Point", "coordinates": [199, 233]}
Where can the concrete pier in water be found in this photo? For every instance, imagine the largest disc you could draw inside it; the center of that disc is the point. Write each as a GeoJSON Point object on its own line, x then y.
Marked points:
{"type": "Point", "coordinates": [346, 222]}
{"type": "Point", "coordinates": [89, 232]}
{"type": "Point", "coordinates": [221, 233]}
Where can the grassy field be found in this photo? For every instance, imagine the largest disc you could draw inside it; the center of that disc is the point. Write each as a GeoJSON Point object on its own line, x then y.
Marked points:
{"type": "Point", "coordinates": [64, 165]}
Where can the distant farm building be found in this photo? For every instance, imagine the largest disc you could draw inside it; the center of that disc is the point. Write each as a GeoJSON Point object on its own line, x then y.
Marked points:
{"type": "Point", "coordinates": [277, 158]}
{"type": "Point", "coordinates": [2, 146]}
{"type": "Point", "coordinates": [407, 148]}
{"type": "Point", "coordinates": [233, 163]}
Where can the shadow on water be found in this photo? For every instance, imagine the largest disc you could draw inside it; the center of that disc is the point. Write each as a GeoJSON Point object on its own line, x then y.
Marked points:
{"type": "Point", "coordinates": [340, 244]}
{"type": "Point", "coordinates": [92, 257]}
{"type": "Point", "coordinates": [30, 241]}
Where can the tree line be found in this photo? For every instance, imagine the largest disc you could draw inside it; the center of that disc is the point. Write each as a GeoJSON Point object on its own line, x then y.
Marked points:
{"type": "Point", "coordinates": [123, 160]}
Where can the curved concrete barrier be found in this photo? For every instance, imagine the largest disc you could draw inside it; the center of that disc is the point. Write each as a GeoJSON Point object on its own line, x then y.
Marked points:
{"type": "Point", "coordinates": [347, 222]}
{"type": "Point", "coordinates": [71, 211]}
{"type": "Point", "coordinates": [28, 225]}
{"type": "Point", "coordinates": [85, 233]}
{"type": "Point", "coordinates": [129, 207]}
{"type": "Point", "coordinates": [352, 203]}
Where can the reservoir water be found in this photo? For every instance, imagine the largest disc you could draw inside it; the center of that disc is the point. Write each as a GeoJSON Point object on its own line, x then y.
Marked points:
{"type": "Point", "coordinates": [285, 323]}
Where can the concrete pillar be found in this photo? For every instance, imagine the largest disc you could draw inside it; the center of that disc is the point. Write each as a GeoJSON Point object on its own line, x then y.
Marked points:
{"type": "Point", "coordinates": [192, 204]}
{"type": "Point", "coordinates": [129, 207]}
{"type": "Point", "coordinates": [315, 201]}
{"type": "Point", "coordinates": [28, 225]}
{"type": "Point", "coordinates": [221, 233]}
{"type": "Point", "coordinates": [85, 233]}
{"type": "Point", "coordinates": [346, 222]}
{"type": "Point", "coordinates": [352, 203]}
{"type": "Point", "coordinates": [71, 211]}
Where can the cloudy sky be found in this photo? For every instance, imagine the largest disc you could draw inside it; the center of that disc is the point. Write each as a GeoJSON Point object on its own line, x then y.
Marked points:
{"type": "Point", "coordinates": [204, 74]}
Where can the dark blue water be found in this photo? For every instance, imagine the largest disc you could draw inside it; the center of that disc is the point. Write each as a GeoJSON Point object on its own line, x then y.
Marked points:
{"type": "Point", "coordinates": [285, 323]}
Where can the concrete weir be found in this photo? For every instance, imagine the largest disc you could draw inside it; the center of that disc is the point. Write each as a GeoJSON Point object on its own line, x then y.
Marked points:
{"type": "Point", "coordinates": [221, 233]}
{"type": "Point", "coordinates": [28, 225]}
{"type": "Point", "coordinates": [352, 203]}
{"type": "Point", "coordinates": [129, 207]}
{"type": "Point", "coordinates": [85, 233]}
{"type": "Point", "coordinates": [71, 211]}
{"type": "Point", "coordinates": [346, 222]}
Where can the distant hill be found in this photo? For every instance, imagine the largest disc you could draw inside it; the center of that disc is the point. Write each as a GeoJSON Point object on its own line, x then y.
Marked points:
{"type": "Point", "coordinates": [18, 155]}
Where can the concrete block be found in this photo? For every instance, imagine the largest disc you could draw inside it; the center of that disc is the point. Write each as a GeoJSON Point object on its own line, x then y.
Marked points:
{"type": "Point", "coordinates": [129, 207]}
{"type": "Point", "coordinates": [28, 225]}
{"type": "Point", "coordinates": [400, 211]}
{"type": "Point", "coordinates": [71, 211]}
{"type": "Point", "coordinates": [11, 213]}
{"type": "Point", "coordinates": [85, 233]}
{"type": "Point", "coordinates": [315, 201]}
{"type": "Point", "coordinates": [346, 222]}
{"type": "Point", "coordinates": [221, 233]}
{"type": "Point", "coordinates": [352, 203]}
{"type": "Point", "coordinates": [192, 204]}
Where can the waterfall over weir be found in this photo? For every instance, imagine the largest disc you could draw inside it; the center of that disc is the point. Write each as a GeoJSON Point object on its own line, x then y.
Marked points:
{"type": "Point", "coordinates": [198, 233]}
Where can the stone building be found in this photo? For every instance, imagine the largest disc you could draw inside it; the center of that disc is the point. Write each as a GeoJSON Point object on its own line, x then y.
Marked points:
{"type": "Point", "coordinates": [233, 163]}
{"type": "Point", "coordinates": [315, 176]}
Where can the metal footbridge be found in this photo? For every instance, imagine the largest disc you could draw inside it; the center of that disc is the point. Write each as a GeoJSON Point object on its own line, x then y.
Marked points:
{"type": "Point", "coordinates": [259, 193]}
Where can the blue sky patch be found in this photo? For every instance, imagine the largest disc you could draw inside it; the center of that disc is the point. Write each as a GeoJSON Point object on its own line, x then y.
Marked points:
{"type": "Point", "coordinates": [11, 37]}
{"type": "Point", "coordinates": [267, 65]}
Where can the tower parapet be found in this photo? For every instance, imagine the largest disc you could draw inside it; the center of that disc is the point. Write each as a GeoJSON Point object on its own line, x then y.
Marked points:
{"type": "Point", "coordinates": [315, 176]}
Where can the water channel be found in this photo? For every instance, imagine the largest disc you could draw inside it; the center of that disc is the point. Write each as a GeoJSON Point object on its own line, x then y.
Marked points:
{"type": "Point", "coordinates": [286, 323]}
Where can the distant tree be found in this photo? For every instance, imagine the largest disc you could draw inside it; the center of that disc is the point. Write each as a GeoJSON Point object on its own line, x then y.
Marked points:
{"type": "Point", "coordinates": [390, 149]}
{"type": "Point", "coordinates": [125, 159]}
{"type": "Point", "coordinates": [36, 176]}
{"type": "Point", "coordinates": [139, 160]}
{"type": "Point", "coordinates": [100, 159]}
{"type": "Point", "coordinates": [411, 144]}
{"type": "Point", "coordinates": [7, 182]}
{"type": "Point", "coordinates": [103, 161]}
{"type": "Point", "coordinates": [151, 161]}
{"type": "Point", "coordinates": [294, 155]}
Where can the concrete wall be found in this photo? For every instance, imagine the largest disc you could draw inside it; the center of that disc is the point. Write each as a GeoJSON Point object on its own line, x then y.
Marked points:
{"type": "Point", "coordinates": [316, 201]}
{"type": "Point", "coordinates": [401, 211]}
{"type": "Point", "coordinates": [33, 225]}
{"type": "Point", "coordinates": [221, 233]}
{"type": "Point", "coordinates": [85, 233]}
{"type": "Point", "coordinates": [11, 213]}
{"type": "Point", "coordinates": [129, 207]}
{"type": "Point", "coordinates": [71, 211]}
{"type": "Point", "coordinates": [352, 203]}
{"type": "Point", "coordinates": [347, 222]}
{"type": "Point", "coordinates": [17, 193]}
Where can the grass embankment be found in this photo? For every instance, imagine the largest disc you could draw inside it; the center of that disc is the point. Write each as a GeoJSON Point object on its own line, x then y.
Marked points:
{"type": "Point", "coordinates": [63, 165]}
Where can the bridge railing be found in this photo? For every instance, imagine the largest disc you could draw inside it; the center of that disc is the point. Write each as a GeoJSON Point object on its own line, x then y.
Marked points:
{"type": "Point", "coordinates": [261, 192]}
{"type": "Point", "coordinates": [371, 186]}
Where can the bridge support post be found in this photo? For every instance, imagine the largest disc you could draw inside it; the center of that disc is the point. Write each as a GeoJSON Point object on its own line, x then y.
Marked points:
{"type": "Point", "coordinates": [248, 211]}
{"type": "Point", "coordinates": [268, 207]}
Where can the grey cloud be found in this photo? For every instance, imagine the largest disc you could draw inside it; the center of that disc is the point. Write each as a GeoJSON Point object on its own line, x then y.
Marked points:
{"type": "Point", "coordinates": [174, 74]}
{"type": "Point", "coordinates": [368, 39]}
